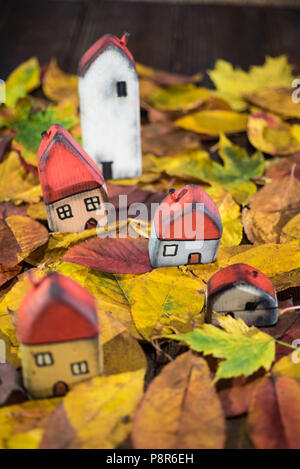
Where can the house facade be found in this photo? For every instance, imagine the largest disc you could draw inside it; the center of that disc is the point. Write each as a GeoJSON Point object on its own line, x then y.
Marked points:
{"type": "Point", "coordinates": [110, 108]}
{"type": "Point", "coordinates": [59, 335]}
{"type": "Point", "coordinates": [73, 186]}
{"type": "Point", "coordinates": [186, 229]}
{"type": "Point", "coordinates": [243, 292]}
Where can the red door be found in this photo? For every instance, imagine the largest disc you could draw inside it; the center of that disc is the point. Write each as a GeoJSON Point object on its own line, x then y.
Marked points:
{"type": "Point", "coordinates": [194, 258]}
{"type": "Point", "coordinates": [60, 388]}
{"type": "Point", "coordinates": [91, 223]}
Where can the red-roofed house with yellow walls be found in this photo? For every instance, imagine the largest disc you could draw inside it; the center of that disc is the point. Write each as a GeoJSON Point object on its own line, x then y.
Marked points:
{"type": "Point", "coordinates": [186, 229]}
{"type": "Point", "coordinates": [110, 108]}
{"type": "Point", "coordinates": [243, 292]}
{"type": "Point", "coordinates": [59, 335]}
{"type": "Point", "coordinates": [72, 184]}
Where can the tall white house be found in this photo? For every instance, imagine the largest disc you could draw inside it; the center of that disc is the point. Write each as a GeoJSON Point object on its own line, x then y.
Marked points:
{"type": "Point", "coordinates": [110, 108]}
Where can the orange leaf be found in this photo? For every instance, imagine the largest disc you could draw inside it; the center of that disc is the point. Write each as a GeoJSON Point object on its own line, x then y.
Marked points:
{"type": "Point", "coordinates": [180, 409]}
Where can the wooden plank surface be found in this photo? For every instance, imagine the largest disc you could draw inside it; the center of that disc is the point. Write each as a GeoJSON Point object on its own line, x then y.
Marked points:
{"type": "Point", "coordinates": [184, 38]}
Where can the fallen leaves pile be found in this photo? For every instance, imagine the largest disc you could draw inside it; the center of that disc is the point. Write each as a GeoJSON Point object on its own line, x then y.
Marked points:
{"type": "Point", "coordinates": [170, 380]}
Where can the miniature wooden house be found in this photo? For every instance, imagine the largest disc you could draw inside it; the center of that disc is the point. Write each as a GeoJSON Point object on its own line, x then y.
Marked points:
{"type": "Point", "coordinates": [110, 108]}
{"type": "Point", "coordinates": [72, 184]}
{"type": "Point", "coordinates": [243, 292]}
{"type": "Point", "coordinates": [186, 229]}
{"type": "Point", "coordinates": [58, 331]}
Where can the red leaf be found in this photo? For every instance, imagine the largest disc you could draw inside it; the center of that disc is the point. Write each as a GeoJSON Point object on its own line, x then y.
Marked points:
{"type": "Point", "coordinates": [134, 195]}
{"type": "Point", "coordinates": [274, 416]}
{"type": "Point", "coordinates": [236, 398]}
{"type": "Point", "coordinates": [115, 255]}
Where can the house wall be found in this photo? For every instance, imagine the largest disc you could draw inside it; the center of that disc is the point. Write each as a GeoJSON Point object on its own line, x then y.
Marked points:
{"type": "Point", "coordinates": [111, 124]}
{"type": "Point", "coordinates": [76, 223]}
{"type": "Point", "coordinates": [39, 380]}
{"type": "Point", "coordinates": [207, 248]}
{"type": "Point", "coordinates": [233, 300]}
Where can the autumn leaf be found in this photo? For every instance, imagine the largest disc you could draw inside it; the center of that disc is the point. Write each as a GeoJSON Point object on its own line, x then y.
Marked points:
{"type": "Point", "coordinates": [236, 396]}
{"type": "Point", "coordinates": [58, 85]}
{"type": "Point", "coordinates": [214, 122]}
{"type": "Point", "coordinates": [25, 78]}
{"type": "Point", "coordinates": [180, 409]}
{"type": "Point", "coordinates": [116, 255]}
{"type": "Point", "coordinates": [11, 391]}
{"type": "Point", "coordinates": [21, 425]}
{"type": "Point", "coordinates": [232, 84]}
{"type": "Point", "coordinates": [163, 300]}
{"type": "Point", "coordinates": [29, 128]}
{"type": "Point", "coordinates": [288, 366]}
{"type": "Point", "coordinates": [277, 100]}
{"type": "Point", "coordinates": [164, 139]}
{"type": "Point", "coordinates": [121, 351]}
{"type": "Point", "coordinates": [245, 349]}
{"type": "Point", "coordinates": [268, 133]}
{"type": "Point", "coordinates": [274, 414]}
{"type": "Point", "coordinates": [28, 233]}
{"type": "Point", "coordinates": [96, 414]}
{"type": "Point", "coordinates": [57, 246]}
{"type": "Point", "coordinates": [234, 175]}
{"type": "Point", "coordinates": [183, 97]}
{"type": "Point", "coordinates": [16, 183]}
{"type": "Point", "coordinates": [271, 209]}
{"type": "Point", "coordinates": [291, 231]}
{"type": "Point", "coordinates": [165, 78]}
{"type": "Point", "coordinates": [230, 216]}
{"type": "Point", "coordinates": [284, 167]}
{"type": "Point", "coordinates": [106, 290]}
{"type": "Point", "coordinates": [7, 273]}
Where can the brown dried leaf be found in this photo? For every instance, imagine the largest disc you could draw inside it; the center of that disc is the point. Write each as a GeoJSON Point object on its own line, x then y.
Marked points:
{"type": "Point", "coordinates": [271, 208]}
{"type": "Point", "coordinates": [180, 409]}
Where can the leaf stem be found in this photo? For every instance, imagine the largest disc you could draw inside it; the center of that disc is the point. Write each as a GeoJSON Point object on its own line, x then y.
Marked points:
{"type": "Point", "coordinates": [286, 345]}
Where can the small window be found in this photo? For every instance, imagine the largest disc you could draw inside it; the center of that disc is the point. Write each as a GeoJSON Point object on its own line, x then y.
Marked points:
{"type": "Point", "coordinates": [170, 250]}
{"type": "Point", "coordinates": [64, 212]}
{"type": "Point", "coordinates": [121, 88]}
{"type": "Point", "coordinates": [80, 368]}
{"type": "Point", "coordinates": [92, 203]}
{"type": "Point", "coordinates": [44, 359]}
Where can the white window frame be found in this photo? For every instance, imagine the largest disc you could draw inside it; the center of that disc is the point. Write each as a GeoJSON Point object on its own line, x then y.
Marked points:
{"type": "Point", "coordinates": [167, 247]}
{"type": "Point", "coordinates": [80, 368]}
{"type": "Point", "coordinates": [44, 359]}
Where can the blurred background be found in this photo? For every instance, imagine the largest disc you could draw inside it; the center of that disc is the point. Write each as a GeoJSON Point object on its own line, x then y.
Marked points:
{"type": "Point", "coordinates": [178, 36]}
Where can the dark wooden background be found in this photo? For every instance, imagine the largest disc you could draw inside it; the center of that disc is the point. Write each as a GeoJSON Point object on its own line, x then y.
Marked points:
{"type": "Point", "coordinates": [176, 37]}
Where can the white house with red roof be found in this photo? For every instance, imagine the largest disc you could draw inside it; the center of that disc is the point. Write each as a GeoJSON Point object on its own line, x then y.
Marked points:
{"type": "Point", "coordinates": [243, 292]}
{"type": "Point", "coordinates": [59, 335]}
{"type": "Point", "coordinates": [110, 108]}
{"type": "Point", "coordinates": [186, 229]}
{"type": "Point", "coordinates": [72, 184]}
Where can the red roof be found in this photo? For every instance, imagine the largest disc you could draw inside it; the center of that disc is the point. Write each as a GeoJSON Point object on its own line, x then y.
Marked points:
{"type": "Point", "coordinates": [64, 167]}
{"type": "Point", "coordinates": [57, 309]}
{"type": "Point", "coordinates": [100, 46]}
{"type": "Point", "coordinates": [176, 217]}
{"type": "Point", "coordinates": [239, 274]}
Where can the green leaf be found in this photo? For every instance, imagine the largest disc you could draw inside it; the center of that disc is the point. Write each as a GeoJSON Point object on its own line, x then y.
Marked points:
{"type": "Point", "coordinates": [232, 83]}
{"type": "Point", "coordinates": [245, 349]}
{"type": "Point", "coordinates": [234, 175]}
{"type": "Point", "coordinates": [29, 128]}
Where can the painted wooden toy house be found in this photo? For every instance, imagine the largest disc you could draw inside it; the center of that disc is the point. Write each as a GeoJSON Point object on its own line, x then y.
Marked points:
{"type": "Point", "coordinates": [110, 108]}
{"type": "Point", "coordinates": [58, 330]}
{"type": "Point", "coordinates": [186, 229]}
{"type": "Point", "coordinates": [72, 184]}
{"type": "Point", "coordinates": [244, 292]}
